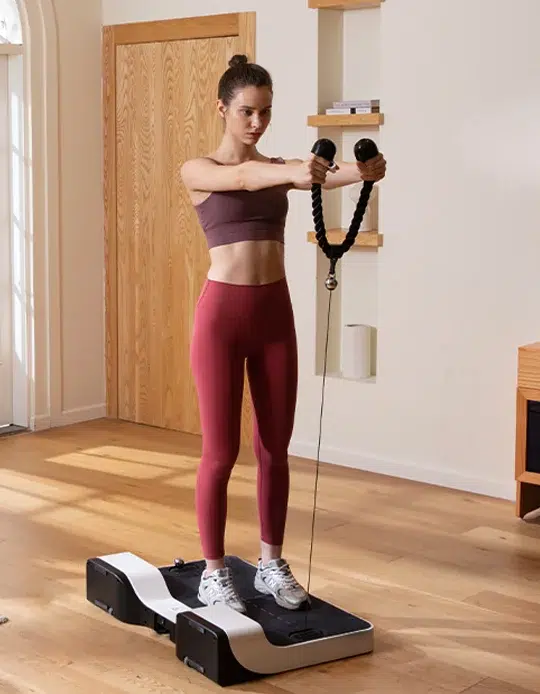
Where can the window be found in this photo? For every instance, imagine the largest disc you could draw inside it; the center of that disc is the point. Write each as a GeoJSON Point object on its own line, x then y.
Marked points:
{"type": "Point", "coordinates": [12, 218]}
{"type": "Point", "coordinates": [10, 22]}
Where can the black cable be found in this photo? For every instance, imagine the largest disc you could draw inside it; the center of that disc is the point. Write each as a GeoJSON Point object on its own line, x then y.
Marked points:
{"type": "Point", "coordinates": [364, 149]}
{"type": "Point", "coordinates": [319, 442]}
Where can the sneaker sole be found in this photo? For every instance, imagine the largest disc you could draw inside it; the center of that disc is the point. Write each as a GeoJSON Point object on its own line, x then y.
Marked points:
{"type": "Point", "coordinates": [262, 588]}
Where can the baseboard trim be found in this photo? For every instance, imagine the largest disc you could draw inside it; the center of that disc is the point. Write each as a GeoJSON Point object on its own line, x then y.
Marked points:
{"type": "Point", "coordinates": [67, 417]}
{"type": "Point", "coordinates": [40, 422]}
{"type": "Point", "coordinates": [450, 479]}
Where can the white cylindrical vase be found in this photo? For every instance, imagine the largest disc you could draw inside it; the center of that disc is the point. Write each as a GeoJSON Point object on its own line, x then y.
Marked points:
{"type": "Point", "coordinates": [356, 351]}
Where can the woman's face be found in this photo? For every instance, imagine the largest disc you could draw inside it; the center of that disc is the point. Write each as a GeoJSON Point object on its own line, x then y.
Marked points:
{"type": "Point", "coordinates": [248, 115]}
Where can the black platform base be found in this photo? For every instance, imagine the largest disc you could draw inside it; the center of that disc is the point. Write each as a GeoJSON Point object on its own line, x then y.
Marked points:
{"type": "Point", "coordinates": [220, 643]}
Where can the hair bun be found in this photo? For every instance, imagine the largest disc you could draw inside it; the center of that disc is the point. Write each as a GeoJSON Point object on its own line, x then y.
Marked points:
{"type": "Point", "coordinates": [237, 60]}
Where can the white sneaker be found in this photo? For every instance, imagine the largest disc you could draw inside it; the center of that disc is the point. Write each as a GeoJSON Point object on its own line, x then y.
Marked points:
{"type": "Point", "coordinates": [276, 579]}
{"type": "Point", "coordinates": [217, 588]}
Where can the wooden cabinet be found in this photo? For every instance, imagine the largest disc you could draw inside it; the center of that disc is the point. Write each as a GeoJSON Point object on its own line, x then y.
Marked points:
{"type": "Point", "coordinates": [527, 462]}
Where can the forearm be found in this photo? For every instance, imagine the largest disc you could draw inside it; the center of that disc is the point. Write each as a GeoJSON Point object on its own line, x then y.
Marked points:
{"type": "Point", "coordinates": [256, 175]}
{"type": "Point", "coordinates": [347, 174]}
{"type": "Point", "coordinates": [205, 175]}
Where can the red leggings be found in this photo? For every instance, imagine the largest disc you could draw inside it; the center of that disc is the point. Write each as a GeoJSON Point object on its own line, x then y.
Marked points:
{"type": "Point", "coordinates": [237, 325]}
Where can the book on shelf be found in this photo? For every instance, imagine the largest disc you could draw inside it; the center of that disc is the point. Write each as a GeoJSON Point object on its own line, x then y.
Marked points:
{"type": "Point", "coordinates": [348, 111]}
{"type": "Point", "coordinates": [358, 103]}
{"type": "Point", "coordinates": [341, 108]}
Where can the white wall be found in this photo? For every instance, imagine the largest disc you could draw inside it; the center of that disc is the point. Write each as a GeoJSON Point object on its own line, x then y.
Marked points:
{"type": "Point", "coordinates": [456, 288]}
{"type": "Point", "coordinates": [79, 30]}
{"type": "Point", "coordinates": [81, 333]}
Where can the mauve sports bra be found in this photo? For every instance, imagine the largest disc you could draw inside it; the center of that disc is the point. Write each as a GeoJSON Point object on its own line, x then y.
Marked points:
{"type": "Point", "coordinates": [240, 215]}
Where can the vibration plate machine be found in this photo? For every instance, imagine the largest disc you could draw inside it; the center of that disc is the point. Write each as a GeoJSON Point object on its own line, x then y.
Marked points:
{"type": "Point", "coordinates": [220, 643]}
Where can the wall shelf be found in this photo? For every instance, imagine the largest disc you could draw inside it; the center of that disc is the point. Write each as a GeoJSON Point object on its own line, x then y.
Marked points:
{"type": "Point", "coordinates": [364, 239]}
{"type": "Point", "coordinates": [353, 120]}
{"type": "Point", "coordinates": [342, 4]}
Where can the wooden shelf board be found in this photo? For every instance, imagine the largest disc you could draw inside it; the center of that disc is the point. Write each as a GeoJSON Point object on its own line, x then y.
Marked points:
{"type": "Point", "coordinates": [365, 239]}
{"type": "Point", "coordinates": [342, 4]}
{"type": "Point", "coordinates": [529, 478]}
{"type": "Point", "coordinates": [532, 347]}
{"type": "Point", "coordinates": [346, 120]}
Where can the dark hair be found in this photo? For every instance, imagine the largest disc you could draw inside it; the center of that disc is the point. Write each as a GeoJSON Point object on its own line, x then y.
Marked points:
{"type": "Point", "coordinates": [242, 73]}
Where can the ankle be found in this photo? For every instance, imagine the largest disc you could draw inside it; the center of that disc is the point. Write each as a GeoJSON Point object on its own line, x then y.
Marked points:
{"type": "Point", "coordinates": [213, 565]}
{"type": "Point", "coordinates": [269, 553]}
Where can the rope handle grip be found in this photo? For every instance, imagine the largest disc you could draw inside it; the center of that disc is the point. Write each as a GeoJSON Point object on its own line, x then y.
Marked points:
{"type": "Point", "coordinates": [364, 149]}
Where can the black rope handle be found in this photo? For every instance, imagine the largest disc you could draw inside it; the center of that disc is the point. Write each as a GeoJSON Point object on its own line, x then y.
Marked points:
{"type": "Point", "coordinates": [364, 149]}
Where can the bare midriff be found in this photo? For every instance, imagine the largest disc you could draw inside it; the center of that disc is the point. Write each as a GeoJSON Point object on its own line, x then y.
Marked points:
{"type": "Point", "coordinates": [248, 262]}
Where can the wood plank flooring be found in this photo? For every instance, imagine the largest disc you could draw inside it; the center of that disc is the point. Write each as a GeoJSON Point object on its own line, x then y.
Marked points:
{"type": "Point", "coordinates": [450, 580]}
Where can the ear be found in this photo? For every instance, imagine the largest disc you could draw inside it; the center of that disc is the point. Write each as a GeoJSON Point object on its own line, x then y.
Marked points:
{"type": "Point", "coordinates": [222, 109]}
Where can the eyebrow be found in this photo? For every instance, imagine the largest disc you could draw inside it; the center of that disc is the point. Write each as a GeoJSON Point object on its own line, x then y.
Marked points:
{"type": "Point", "coordinates": [253, 107]}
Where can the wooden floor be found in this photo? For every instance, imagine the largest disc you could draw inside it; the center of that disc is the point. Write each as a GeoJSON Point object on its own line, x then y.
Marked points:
{"type": "Point", "coordinates": [450, 580]}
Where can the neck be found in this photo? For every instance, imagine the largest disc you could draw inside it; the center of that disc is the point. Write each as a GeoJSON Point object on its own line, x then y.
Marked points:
{"type": "Point", "coordinates": [235, 152]}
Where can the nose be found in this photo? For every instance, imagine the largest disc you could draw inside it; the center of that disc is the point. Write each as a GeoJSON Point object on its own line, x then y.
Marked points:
{"type": "Point", "coordinates": [256, 122]}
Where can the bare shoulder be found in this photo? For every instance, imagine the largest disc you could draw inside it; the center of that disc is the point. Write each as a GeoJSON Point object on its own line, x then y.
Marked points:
{"type": "Point", "coordinates": [195, 165]}
{"type": "Point", "coordinates": [197, 172]}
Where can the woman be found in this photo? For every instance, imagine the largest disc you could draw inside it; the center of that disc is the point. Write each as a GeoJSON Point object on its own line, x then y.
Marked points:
{"type": "Point", "coordinates": [244, 315]}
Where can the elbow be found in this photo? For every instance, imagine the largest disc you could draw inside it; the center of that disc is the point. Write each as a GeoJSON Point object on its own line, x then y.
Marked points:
{"type": "Point", "coordinates": [331, 185]}
{"type": "Point", "coordinates": [243, 179]}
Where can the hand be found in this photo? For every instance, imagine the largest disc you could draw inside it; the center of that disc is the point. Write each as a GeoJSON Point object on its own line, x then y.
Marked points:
{"type": "Point", "coordinates": [373, 169]}
{"type": "Point", "coordinates": [312, 171]}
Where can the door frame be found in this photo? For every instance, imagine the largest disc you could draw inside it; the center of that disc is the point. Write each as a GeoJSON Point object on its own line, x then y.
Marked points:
{"type": "Point", "coordinates": [6, 232]}
{"type": "Point", "coordinates": [236, 24]}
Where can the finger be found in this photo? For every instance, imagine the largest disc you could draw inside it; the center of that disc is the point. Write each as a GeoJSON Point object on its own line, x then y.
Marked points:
{"type": "Point", "coordinates": [374, 160]}
{"type": "Point", "coordinates": [322, 161]}
{"type": "Point", "coordinates": [319, 170]}
{"type": "Point", "coordinates": [322, 166]}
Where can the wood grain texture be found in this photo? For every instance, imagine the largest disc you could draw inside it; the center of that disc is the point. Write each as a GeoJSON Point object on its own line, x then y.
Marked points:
{"type": "Point", "coordinates": [528, 389]}
{"type": "Point", "coordinates": [343, 4]}
{"type": "Point", "coordinates": [521, 433]}
{"type": "Point", "coordinates": [159, 98]}
{"type": "Point", "coordinates": [188, 28]}
{"type": "Point", "coordinates": [449, 579]}
{"type": "Point", "coordinates": [165, 115]}
{"type": "Point", "coordinates": [109, 203]}
{"type": "Point", "coordinates": [353, 120]}
{"type": "Point", "coordinates": [364, 239]}
{"type": "Point", "coordinates": [529, 367]}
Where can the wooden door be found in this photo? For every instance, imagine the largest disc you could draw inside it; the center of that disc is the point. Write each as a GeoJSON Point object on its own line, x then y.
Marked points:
{"type": "Point", "coordinates": [160, 85]}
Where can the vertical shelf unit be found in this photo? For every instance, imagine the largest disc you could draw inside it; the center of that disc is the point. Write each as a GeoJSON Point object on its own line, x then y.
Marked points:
{"type": "Point", "coordinates": [348, 68]}
{"type": "Point", "coordinates": [527, 456]}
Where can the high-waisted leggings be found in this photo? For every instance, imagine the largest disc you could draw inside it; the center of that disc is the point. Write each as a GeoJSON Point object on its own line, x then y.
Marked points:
{"type": "Point", "coordinates": [239, 326]}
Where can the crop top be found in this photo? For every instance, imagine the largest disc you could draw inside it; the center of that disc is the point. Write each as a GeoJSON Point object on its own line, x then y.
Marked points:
{"type": "Point", "coordinates": [240, 215]}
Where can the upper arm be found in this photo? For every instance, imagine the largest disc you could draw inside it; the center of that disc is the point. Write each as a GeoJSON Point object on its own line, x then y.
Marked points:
{"type": "Point", "coordinates": [205, 175]}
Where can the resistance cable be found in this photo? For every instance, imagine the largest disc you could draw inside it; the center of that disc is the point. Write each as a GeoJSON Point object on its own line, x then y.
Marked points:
{"type": "Point", "coordinates": [363, 150]}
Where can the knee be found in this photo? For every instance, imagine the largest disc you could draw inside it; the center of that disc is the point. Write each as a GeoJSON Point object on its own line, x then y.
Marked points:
{"type": "Point", "coordinates": [276, 459]}
{"type": "Point", "coordinates": [272, 449]}
{"type": "Point", "coordinates": [218, 463]}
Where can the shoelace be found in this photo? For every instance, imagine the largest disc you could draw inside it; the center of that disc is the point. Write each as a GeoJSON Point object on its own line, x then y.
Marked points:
{"type": "Point", "coordinates": [227, 587]}
{"type": "Point", "coordinates": [284, 575]}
